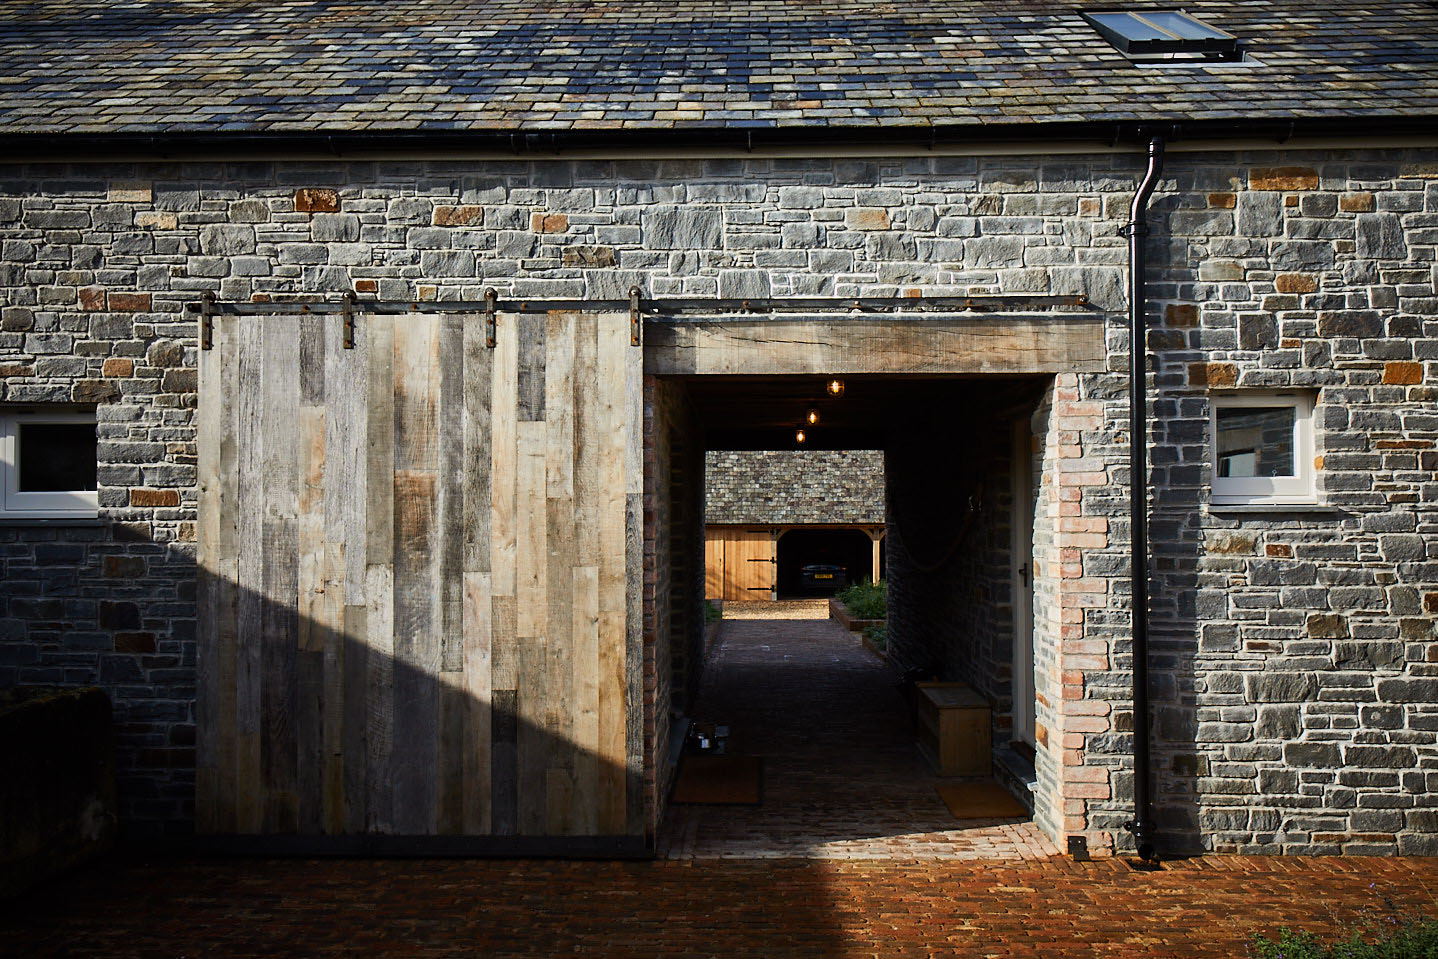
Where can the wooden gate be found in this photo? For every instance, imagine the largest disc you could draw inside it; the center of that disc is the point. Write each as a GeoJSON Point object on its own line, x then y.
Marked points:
{"type": "Point", "coordinates": [738, 563]}
{"type": "Point", "coordinates": [419, 577]}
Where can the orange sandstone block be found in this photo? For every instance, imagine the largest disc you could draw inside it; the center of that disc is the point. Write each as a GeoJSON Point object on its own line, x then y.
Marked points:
{"type": "Point", "coordinates": [1295, 283]}
{"type": "Point", "coordinates": [1283, 178]}
{"type": "Point", "coordinates": [1402, 374]}
{"type": "Point", "coordinates": [549, 223]}
{"type": "Point", "coordinates": [154, 497]}
{"type": "Point", "coordinates": [316, 200]}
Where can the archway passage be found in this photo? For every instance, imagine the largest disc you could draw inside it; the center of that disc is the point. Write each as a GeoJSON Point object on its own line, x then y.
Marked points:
{"type": "Point", "coordinates": [789, 689]}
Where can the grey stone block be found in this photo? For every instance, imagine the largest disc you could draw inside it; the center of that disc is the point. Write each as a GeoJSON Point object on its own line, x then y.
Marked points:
{"type": "Point", "coordinates": [739, 284]}
{"type": "Point", "coordinates": [1382, 757]}
{"type": "Point", "coordinates": [335, 227]}
{"type": "Point", "coordinates": [226, 239]}
{"type": "Point", "coordinates": [989, 252]}
{"type": "Point", "coordinates": [1278, 722]}
{"type": "Point", "coordinates": [1380, 236]}
{"type": "Point", "coordinates": [1312, 755]}
{"type": "Point", "coordinates": [1408, 690]}
{"type": "Point", "coordinates": [447, 263]}
{"type": "Point", "coordinates": [683, 228]}
{"type": "Point", "coordinates": [1279, 687]}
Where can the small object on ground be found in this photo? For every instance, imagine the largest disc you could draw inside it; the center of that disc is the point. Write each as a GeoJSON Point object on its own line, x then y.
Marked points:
{"type": "Point", "coordinates": [719, 780]}
{"type": "Point", "coordinates": [981, 800]}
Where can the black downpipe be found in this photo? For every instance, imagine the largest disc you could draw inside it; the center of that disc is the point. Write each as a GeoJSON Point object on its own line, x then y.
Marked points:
{"type": "Point", "coordinates": [1142, 826]}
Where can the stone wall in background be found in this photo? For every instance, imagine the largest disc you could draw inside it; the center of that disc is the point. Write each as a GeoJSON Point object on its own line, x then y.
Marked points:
{"type": "Point", "coordinates": [793, 486]}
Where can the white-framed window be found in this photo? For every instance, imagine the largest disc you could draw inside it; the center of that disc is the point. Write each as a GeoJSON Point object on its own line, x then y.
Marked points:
{"type": "Point", "coordinates": [1262, 448]}
{"type": "Point", "coordinates": [47, 464]}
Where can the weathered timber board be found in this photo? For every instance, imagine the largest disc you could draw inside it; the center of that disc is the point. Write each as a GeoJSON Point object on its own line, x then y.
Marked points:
{"type": "Point", "coordinates": [419, 583]}
{"type": "Point", "coordinates": [1058, 343]}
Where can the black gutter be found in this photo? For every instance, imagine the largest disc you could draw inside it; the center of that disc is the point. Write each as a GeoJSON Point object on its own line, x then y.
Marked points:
{"type": "Point", "coordinates": [1142, 826]}
{"type": "Point", "coordinates": [550, 143]}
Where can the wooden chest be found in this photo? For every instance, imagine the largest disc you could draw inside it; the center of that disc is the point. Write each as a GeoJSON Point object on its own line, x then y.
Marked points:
{"type": "Point", "coordinates": [953, 729]}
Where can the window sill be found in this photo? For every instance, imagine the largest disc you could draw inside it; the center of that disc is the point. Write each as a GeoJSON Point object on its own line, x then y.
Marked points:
{"type": "Point", "coordinates": [16, 520]}
{"type": "Point", "coordinates": [1313, 508]}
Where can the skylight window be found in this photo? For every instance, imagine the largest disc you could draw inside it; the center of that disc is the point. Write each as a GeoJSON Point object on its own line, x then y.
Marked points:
{"type": "Point", "coordinates": [1163, 35]}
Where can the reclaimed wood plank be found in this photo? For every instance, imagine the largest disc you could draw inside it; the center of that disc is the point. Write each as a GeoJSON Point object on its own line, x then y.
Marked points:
{"type": "Point", "coordinates": [346, 500]}
{"type": "Point", "coordinates": [613, 341]}
{"type": "Point", "coordinates": [530, 528]}
{"type": "Point", "coordinates": [632, 428]}
{"type": "Point", "coordinates": [478, 731]}
{"type": "Point", "coordinates": [476, 627]}
{"type": "Point", "coordinates": [477, 457]}
{"type": "Point", "coordinates": [450, 512]}
{"type": "Point", "coordinates": [1050, 343]}
{"type": "Point", "coordinates": [530, 609]}
{"type": "Point", "coordinates": [279, 695]}
{"type": "Point", "coordinates": [379, 576]}
{"type": "Point", "coordinates": [454, 710]}
{"type": "Point", "coordinates": [209, 505]}
{"type": "Point", "coordinates": [559, 521]}
{"type": "Point", "coordinates": [250, 605]}
{"type": "Point", "coordinates": [584, 637]}
{"type": "Point", "coordinates": [504, 752]}
{"type": "Point", "coordinates": [504, 519]}
{"type": "Point", "coordinates": [228, 337]}
{"type": "Point", "coordinates": [354, 740]}
{"type": "Point", "coordinates": [584, 641]}
{"type": "Point", "coordinates": [313, 614]}
{"type": "Point", "coordinates": [416, 603]}
{"type": "Point", "coordinates": [504, 461]}
{"type": "Point", "coordinates": [530, 379]}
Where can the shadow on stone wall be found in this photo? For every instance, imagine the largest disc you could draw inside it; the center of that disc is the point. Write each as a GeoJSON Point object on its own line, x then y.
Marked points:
{"type": "Point", "coordinates": [105, 605]}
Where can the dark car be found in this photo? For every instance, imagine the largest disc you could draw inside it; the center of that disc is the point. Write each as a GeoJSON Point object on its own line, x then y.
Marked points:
{"type": "Point", "coordinates": [823, 576]}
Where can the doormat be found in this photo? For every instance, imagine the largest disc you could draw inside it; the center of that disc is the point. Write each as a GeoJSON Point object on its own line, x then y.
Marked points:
{"type": "Point", "coordinates": [719, 780]}
{"type": "Point", "coordinates": [986, 800]}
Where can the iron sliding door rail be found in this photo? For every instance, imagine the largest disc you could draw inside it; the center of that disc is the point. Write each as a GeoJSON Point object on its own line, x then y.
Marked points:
{"type": "Point", "coordinates": [662, 309]}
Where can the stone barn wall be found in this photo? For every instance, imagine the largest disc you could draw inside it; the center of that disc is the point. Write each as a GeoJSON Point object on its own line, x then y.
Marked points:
{"type": "Point", "coordinates": [1296, 661]}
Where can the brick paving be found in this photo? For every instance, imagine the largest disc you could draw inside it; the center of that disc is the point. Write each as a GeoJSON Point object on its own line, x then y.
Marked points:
{"type": "Point", "coordinates": [842, 777]}
{"type": "Point", "coordinates": [728, 908]}
{"type": "Point", "coordinates": [808, 904]}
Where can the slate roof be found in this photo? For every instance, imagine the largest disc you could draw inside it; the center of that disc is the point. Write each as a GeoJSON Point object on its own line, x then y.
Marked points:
{"type": "Point", "coordinates": [345, 66]}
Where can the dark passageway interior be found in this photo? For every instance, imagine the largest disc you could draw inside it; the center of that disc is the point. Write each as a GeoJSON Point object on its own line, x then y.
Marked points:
{"type": "Point", "coordinates": [850, 550]}
{"type": "Point", "coordinates": [842, 774]}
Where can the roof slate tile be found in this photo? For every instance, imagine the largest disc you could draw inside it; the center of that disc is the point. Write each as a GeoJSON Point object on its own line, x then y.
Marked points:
{"type": "Point", "coordinates": [150, 66]}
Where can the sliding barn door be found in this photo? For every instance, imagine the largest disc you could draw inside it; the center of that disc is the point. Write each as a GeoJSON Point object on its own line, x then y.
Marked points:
{"type": "Point", "coordinates": [419, 577]}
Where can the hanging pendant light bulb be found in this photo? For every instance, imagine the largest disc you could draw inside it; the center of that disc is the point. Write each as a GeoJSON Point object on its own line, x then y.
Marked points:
{"type": "Point", "coordinates": [799, 436]}
{"type": "Point", "coordinates": [812, 417]}
{"type": "Point", "coordinates": [835, 387]}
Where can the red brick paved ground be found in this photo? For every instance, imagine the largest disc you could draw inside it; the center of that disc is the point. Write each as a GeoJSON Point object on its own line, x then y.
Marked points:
{"type": "Point", "coordinates": [720, 907]}
{"type": "Point", "coordinates": [715, 908]}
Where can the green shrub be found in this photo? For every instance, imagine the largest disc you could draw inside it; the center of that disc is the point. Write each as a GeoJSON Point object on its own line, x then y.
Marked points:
{"type": "Point", "coordinates": [712, 613]}
{"type": "Point", "coordinates": [1395, 938]}
{"type": "Point", "coordinates": [865, 600]}
{"type": "Point", "coordinates": [878, 635]}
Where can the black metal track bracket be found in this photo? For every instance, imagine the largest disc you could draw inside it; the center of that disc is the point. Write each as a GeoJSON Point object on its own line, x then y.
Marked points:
{"type": "Point", "coordinates": [491, 327]}
{"type": "Point", "coordinates": [636, 318]}
{"type": "Point", "coordinates": [207, 321]}
{"type": "Point", "coordinates": [349, 314]}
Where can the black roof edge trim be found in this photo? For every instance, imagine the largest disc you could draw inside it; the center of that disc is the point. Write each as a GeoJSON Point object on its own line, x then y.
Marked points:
{"type": "Point", "coordinates": [551, 143]}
